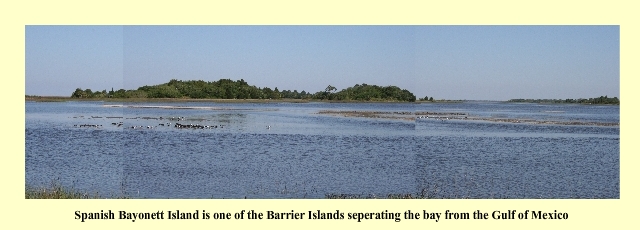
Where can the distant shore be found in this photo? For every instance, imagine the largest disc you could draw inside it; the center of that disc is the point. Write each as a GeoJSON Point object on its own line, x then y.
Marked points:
{"type": "Point", "coordinates": [170, 100]}
{"type": "Point", "coordinates": [281, 100]}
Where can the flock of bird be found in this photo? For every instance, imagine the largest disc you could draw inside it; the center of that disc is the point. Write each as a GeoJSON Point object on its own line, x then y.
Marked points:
{"type": "Point", "coordinates": [439, 118]}
{"type": "Point", "coordinates": [168, 124]}
{"type": "Point", "coordinates": [176, 125]}
{"type": "Point", "coordinates": [195, 126]}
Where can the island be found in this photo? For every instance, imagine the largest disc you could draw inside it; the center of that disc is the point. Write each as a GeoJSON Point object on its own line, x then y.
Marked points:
{"type": "Point", "coordinates": [240, 89]}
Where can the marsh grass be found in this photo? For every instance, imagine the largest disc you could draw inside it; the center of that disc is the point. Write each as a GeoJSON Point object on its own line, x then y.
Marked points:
{"type": "Point", "coordinates": [56, 191]}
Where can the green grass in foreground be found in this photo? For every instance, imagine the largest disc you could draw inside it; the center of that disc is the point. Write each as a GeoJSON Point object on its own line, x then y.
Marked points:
{"type": "Point", "coordinates": [57, 191]}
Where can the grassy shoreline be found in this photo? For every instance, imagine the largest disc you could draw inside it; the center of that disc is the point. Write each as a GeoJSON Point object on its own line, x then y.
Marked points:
{"type": "Point", "coordinates": [179, 100]}
{"type": "Point", "coordinates": [57, 191]}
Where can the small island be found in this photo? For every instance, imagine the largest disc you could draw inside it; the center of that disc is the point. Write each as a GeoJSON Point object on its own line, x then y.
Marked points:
{"type": "Point", "coordinates": [240, 89]}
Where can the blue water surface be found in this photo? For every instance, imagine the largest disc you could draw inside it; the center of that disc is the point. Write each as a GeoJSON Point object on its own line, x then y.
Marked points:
{"type": "Point", "coordinates": [290, 150]}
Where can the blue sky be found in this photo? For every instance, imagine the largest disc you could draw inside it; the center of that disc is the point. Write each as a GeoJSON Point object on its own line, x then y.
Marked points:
{"type": "Point", "coordinates": [444, 62]}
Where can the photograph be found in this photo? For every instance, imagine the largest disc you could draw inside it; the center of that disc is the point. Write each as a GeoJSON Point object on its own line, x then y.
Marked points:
{"type": "Point", "coordinates": [322, 112]}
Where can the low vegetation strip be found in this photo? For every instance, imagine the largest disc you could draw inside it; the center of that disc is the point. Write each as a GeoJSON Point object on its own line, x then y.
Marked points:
{"type": "Point", "coordinates": [57, 191]}
{"type": "Point", "coordinates": [597, 100]}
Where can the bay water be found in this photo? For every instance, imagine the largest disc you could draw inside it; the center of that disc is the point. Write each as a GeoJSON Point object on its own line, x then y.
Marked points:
{"type": "Point", "coordinates": [293, 150]}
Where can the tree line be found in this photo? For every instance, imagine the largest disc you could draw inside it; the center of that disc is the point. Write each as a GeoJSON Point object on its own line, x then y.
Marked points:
{"type": "Point", "coordinates": [597, 100]}
{"type": "Point", "coordinates": [240, 89]}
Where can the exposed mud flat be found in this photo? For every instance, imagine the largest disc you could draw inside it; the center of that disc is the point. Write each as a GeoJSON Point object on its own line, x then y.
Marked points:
{"type": "Point", "coordinates": [542, 122]}
{"type": "Point", "coordinates": [409, 116]}
{"type": "Point", "coordinates": [445, 116]}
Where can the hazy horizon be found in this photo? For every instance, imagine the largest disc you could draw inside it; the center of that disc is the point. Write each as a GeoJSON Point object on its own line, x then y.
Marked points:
{"type": "Point", "coordinates": [443, 62]}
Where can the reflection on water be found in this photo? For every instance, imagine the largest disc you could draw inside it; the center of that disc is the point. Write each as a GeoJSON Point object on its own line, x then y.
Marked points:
{"type": "Point", "coordinates": [293, 151]}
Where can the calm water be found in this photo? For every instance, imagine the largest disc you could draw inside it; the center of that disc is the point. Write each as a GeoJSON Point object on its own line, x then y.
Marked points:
{"type": "Point", "coordinates": [308, 155]}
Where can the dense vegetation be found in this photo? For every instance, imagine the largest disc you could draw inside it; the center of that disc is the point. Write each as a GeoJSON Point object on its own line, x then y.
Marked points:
{"type": "Point", "coordinates": [597, 100]}
{"type": "Point", "coordinates": [229, 89]}
{"type": "Point", "coordinates": [366, 92]}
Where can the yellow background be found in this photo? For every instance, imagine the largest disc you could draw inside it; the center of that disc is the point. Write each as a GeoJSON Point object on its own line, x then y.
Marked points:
{"type": "Point", "coordinates": [45, 214]}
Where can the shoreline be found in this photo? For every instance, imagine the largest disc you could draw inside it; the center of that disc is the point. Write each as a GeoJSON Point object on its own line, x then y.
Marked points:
{"type": "Point", "coordinates": [178, 100]}
{"type": "Point", "coordinates": [283, 100]}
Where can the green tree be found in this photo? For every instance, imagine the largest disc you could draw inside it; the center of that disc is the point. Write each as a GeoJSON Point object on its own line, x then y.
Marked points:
{"type": "Point", "coordinates": [330, 89]}
{"type": "Point", "coordinates": [87, 93]}
{"type": "Point", "coordinates": [267, 92]}
{"type": "Point", "coordinates": [79, 93]}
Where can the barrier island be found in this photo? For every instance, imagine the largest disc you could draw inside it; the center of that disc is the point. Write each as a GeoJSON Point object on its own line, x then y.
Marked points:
{"type": "Point", "coordinates": [240, 89]}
